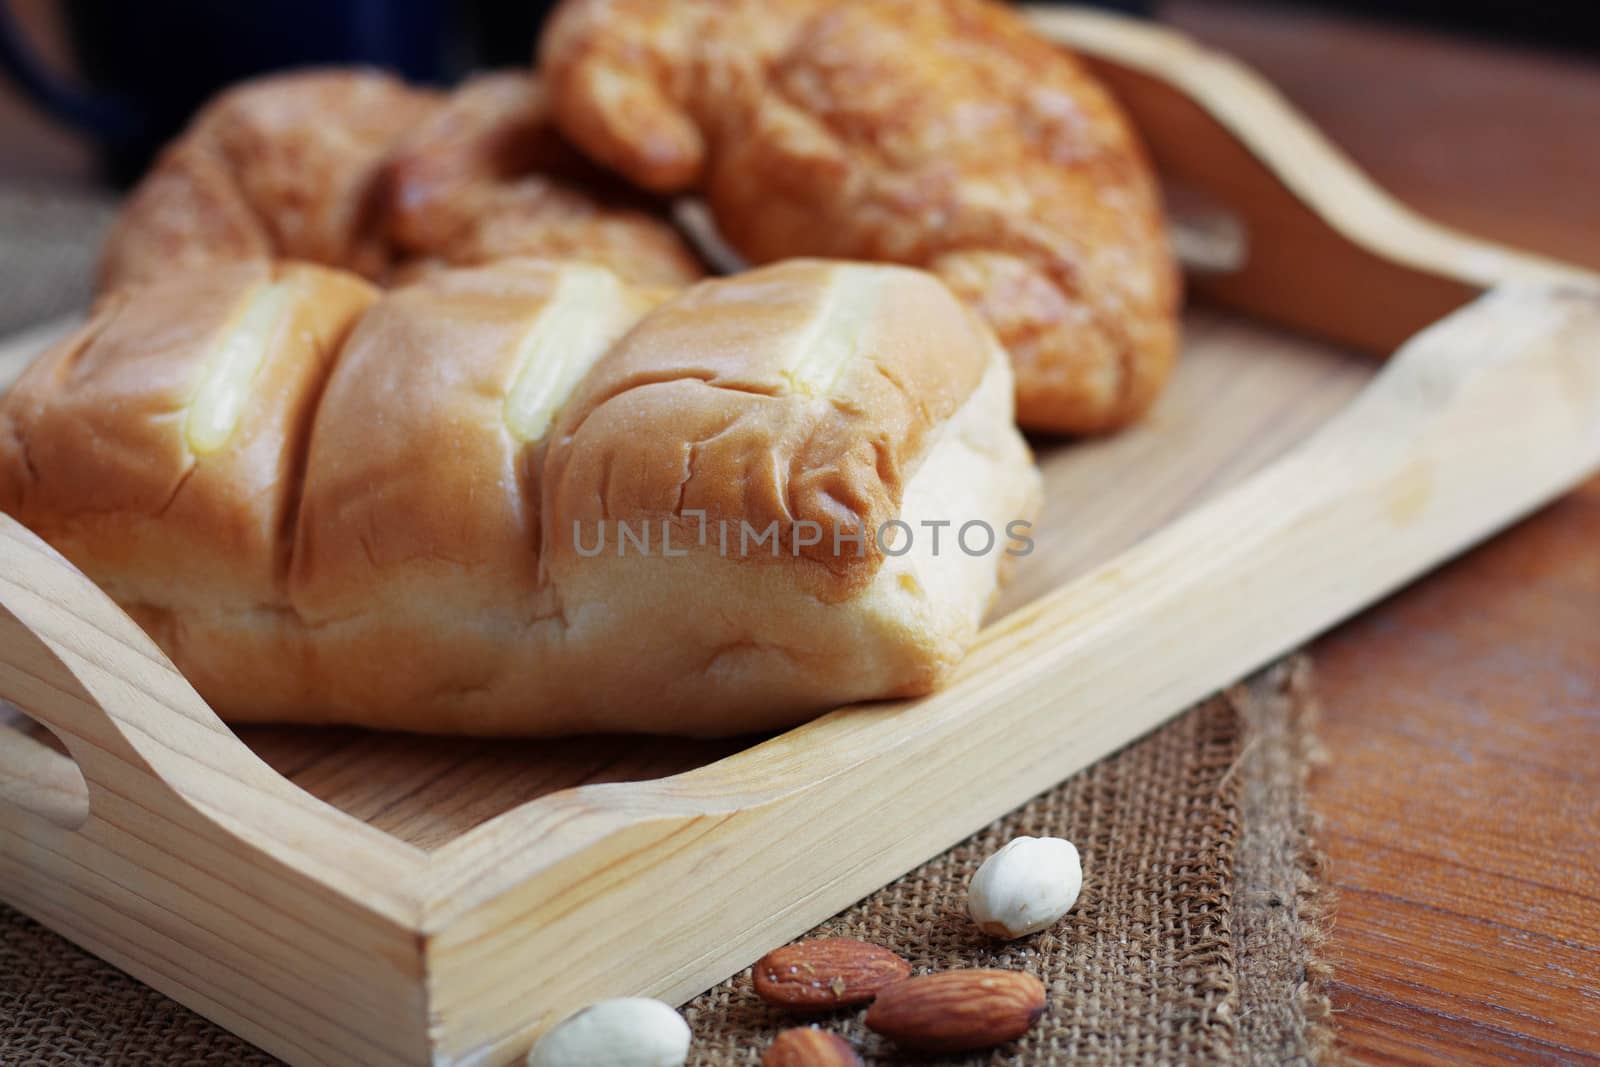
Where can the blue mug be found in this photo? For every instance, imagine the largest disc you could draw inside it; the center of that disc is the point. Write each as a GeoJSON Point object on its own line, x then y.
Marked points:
{"type": "Point", "coordinates": [146, 65]}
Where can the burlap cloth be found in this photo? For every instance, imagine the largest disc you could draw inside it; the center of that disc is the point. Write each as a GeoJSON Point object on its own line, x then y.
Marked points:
{"type": "Point", "coordinates": [1195, 939]}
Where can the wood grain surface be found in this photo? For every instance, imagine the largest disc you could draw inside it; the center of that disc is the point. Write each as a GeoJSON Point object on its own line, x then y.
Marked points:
{"type": "Point", "coordinates": [1462, 718]}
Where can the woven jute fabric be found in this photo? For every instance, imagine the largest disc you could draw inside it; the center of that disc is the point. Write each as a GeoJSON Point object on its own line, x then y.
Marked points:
{"type": "Point", "coordinates": [1194, 940]}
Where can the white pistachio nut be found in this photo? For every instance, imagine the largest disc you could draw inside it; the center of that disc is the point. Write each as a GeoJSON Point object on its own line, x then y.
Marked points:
{"type": "Point", "coordinates": [1025, 887]}
{"type": "Point", "coordinates": [626, 1032]}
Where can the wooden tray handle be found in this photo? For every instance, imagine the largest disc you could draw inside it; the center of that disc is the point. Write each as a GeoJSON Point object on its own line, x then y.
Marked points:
{"type": "Point", "coordinates": [1327, 251]}
{"type": "Point", "coordinates": [76, 663]}
{"type": "Point", "coordinates": [38, 779]}
{"type": "Point", "coordinates": [147, 746]}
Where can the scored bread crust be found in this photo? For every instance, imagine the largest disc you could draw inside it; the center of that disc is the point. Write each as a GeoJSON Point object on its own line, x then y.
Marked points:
{"type": "Point", "coordinates": [765, 407]}
{"type": "Point", "coordinates": [97, 434]}
{"type": "Point", "coordinates": [380, 532]}
{"type": "Point", "coordinates": [419, 522]}
{"type": "Point", "coordinates": [97, 457]}
{"type": "Point", "coordinates": [712, 642]}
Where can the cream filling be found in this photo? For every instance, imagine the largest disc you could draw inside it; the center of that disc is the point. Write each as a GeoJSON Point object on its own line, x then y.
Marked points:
{"type": "Point", "coordinates": [234, 362]}
{"type": "Point", "coordinates": [823, 352]}
{"type": "Point", "coordinates": [583, 318]}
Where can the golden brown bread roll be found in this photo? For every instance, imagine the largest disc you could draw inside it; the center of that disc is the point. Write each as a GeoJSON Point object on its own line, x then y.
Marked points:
{"type": "Point", "coordinates": [519, 499]}
{"type": "Point", "coordinates": [354, 169]}
{"type": "Point", "coordinates": [940, 133]}
{"type": "Point", "coordinates": [162, 446]}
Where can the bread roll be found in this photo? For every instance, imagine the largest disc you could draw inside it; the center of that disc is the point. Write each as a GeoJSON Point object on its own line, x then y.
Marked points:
{"type": "Point", "coordinates": [520, 499]}
{"type": "Point", "coordinates": [417, 555]}
{"type": "Point", "coordinates": [161, 449]}
{"type": "Point", "coordinates": [841, 395]}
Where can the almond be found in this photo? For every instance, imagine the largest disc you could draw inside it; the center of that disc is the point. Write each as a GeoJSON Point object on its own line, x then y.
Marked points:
{"type": "Point", "coordinates": [957, 1011]}
{"type": "Point", "coordinates": [829, 973]}
{"type": "Point", "coordinates": [810, 1047]}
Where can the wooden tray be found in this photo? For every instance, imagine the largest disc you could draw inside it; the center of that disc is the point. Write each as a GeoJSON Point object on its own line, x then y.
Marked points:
{"type": "Point", "coordinates": [347, 897]}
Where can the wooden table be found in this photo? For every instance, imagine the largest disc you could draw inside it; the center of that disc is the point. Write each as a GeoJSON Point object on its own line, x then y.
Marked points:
{"type": "Point", "coordinates": [1461, 801]}
{"type": "Point", "coordinates": [1462, 720]}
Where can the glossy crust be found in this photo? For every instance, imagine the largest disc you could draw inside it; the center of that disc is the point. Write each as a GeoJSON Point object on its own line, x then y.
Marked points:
{"type": "Point", "coordinates": [382, 531]}
{"type": "Point", "coordinates": [940, 133]}
{"type": "Point", "coordinates": [354, 169]}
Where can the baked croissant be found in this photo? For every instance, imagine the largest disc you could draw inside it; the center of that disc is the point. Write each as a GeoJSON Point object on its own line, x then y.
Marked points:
{"type": "Point", "coordinates": [530, 498]}
{"type": "Point", "coordinates": [486, 177]}
{"type": "Point", "coordinates": [280, 166]}
{"type": "Point", "coordinates": [939, 133]}
{"type": "Point", "coordinates": [357, 170]}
